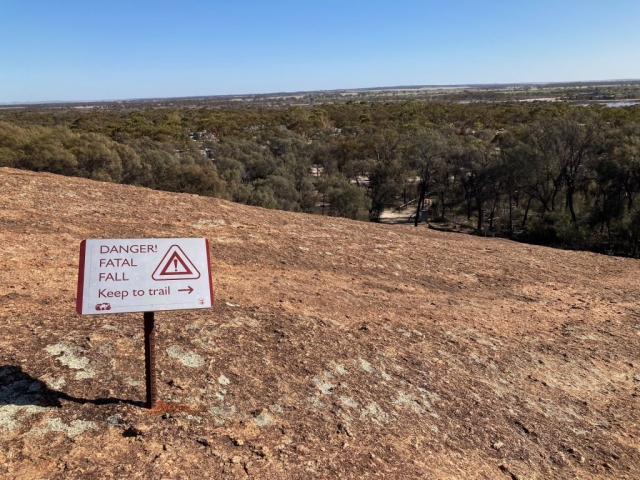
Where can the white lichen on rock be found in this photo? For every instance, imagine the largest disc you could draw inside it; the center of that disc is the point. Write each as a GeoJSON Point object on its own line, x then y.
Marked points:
{"type": "Point", "coordinates": [12, 415]}
{"type": "Point", "coordinates": [220, 414]}
{"type": "Point", "coordinates": [348, 401]}
{"type": "Point", "coordinates": [55, 383]}
{"type": "Point", "coordinates": [264, 419]}
{"type": "Point", "coordinates": [366, 366]}
{"type": "Point", "coordinates": [207, 223]}
{"type": "Point", "coordinates": [377, 414]}
{"type": "Point", "coordinates": [323, 384]}
{"type": "Point", "coordinates": [66, 354]}
{"type": "Point", "coordinates": [75, 428]}
{"type": "Point", "coordinates": [186, 358]}
{"type": "Point", "coordinates": [338, 368]}
{"type": "Point", "coordinates": [407, 400]}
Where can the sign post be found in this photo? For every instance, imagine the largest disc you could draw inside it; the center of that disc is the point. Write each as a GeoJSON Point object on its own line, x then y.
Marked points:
{"type": "Point", "coordinates": [150, 359]}
{"type": "Point", "coordinates": [144, 275]}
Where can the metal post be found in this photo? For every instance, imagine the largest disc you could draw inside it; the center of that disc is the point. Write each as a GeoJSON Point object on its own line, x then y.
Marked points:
{"type": "Point", "coordinates": [150, 359]}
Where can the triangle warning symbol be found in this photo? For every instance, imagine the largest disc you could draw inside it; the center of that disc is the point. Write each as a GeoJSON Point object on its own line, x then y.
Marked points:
{"type": "Point", "coordinates": [175, 265]}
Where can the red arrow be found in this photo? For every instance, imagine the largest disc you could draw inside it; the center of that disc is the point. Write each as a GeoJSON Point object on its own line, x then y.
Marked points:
{"type": "Point", "coordinates": [186, 290]}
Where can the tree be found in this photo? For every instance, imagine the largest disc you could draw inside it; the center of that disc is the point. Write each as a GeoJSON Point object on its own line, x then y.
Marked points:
{"type": "Point", "coordinates": [475, 161]}
{"type": "Point", "coordinates": [425, 156]}
{"type": "Point", "coordinates": [573, 144]}
{"type": "Point", "coordinates": [347, 200]}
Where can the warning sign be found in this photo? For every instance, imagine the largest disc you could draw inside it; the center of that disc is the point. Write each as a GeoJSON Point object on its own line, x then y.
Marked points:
{"type": "Point", "coordinates": [175, 265]}
{"type": "Point", "coordinates": [131, 275]}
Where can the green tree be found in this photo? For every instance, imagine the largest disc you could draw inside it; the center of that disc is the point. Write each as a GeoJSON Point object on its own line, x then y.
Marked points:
{"type": "Point", "coordinates": [425, 157]}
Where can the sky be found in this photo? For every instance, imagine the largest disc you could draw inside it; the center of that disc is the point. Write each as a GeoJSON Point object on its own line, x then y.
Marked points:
{"type": "Point", "coordinates": [74, 50]}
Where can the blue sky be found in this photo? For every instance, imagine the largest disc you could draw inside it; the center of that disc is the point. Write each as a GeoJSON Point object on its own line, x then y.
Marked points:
{"type": "Point", "coordinates": [95, 49]}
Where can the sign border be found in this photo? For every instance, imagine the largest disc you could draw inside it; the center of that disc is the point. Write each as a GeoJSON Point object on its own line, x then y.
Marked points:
{"type": "Point", "coordinates": [206, 242]}
{"type": "Point", "coordinates": [80, 289]}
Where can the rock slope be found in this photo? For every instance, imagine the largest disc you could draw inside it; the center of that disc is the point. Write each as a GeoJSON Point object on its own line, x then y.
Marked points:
{"type": "Point", "coordinates": [335, 349]}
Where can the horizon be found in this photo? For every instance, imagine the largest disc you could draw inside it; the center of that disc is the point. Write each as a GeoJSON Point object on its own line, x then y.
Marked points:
{"type": "Point", "coordinates": [120, 50]}
{"type": "Point", "coordinates": [294, 92]}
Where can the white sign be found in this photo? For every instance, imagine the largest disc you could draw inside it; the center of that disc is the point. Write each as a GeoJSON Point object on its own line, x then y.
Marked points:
{"type": "Point", "coordinates": [143, 275]}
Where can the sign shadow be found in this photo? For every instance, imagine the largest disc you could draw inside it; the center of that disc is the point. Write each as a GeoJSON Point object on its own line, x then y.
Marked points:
{"type": "Point", "coordinates": [21, 389]}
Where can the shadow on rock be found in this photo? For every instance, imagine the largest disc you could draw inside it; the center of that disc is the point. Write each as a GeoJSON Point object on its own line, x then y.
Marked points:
{"type": "Point", "coordinates": [19, 388]}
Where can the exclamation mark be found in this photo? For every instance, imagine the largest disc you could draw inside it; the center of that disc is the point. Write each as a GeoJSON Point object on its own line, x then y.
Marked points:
{"type": "Point", "coordinates": [175, 264]}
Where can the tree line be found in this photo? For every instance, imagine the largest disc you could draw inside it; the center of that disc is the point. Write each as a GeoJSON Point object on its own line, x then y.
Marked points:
{"type": "Point", "coordinates": [553, 174]}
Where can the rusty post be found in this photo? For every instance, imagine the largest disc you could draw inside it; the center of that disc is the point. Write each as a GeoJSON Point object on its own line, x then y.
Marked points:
{"type": "Point", "coordinates": [150, 359]}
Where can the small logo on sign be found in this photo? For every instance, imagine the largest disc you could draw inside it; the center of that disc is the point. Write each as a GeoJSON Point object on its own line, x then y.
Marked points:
{"type": "Point", "coordinates": [103, 306]}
